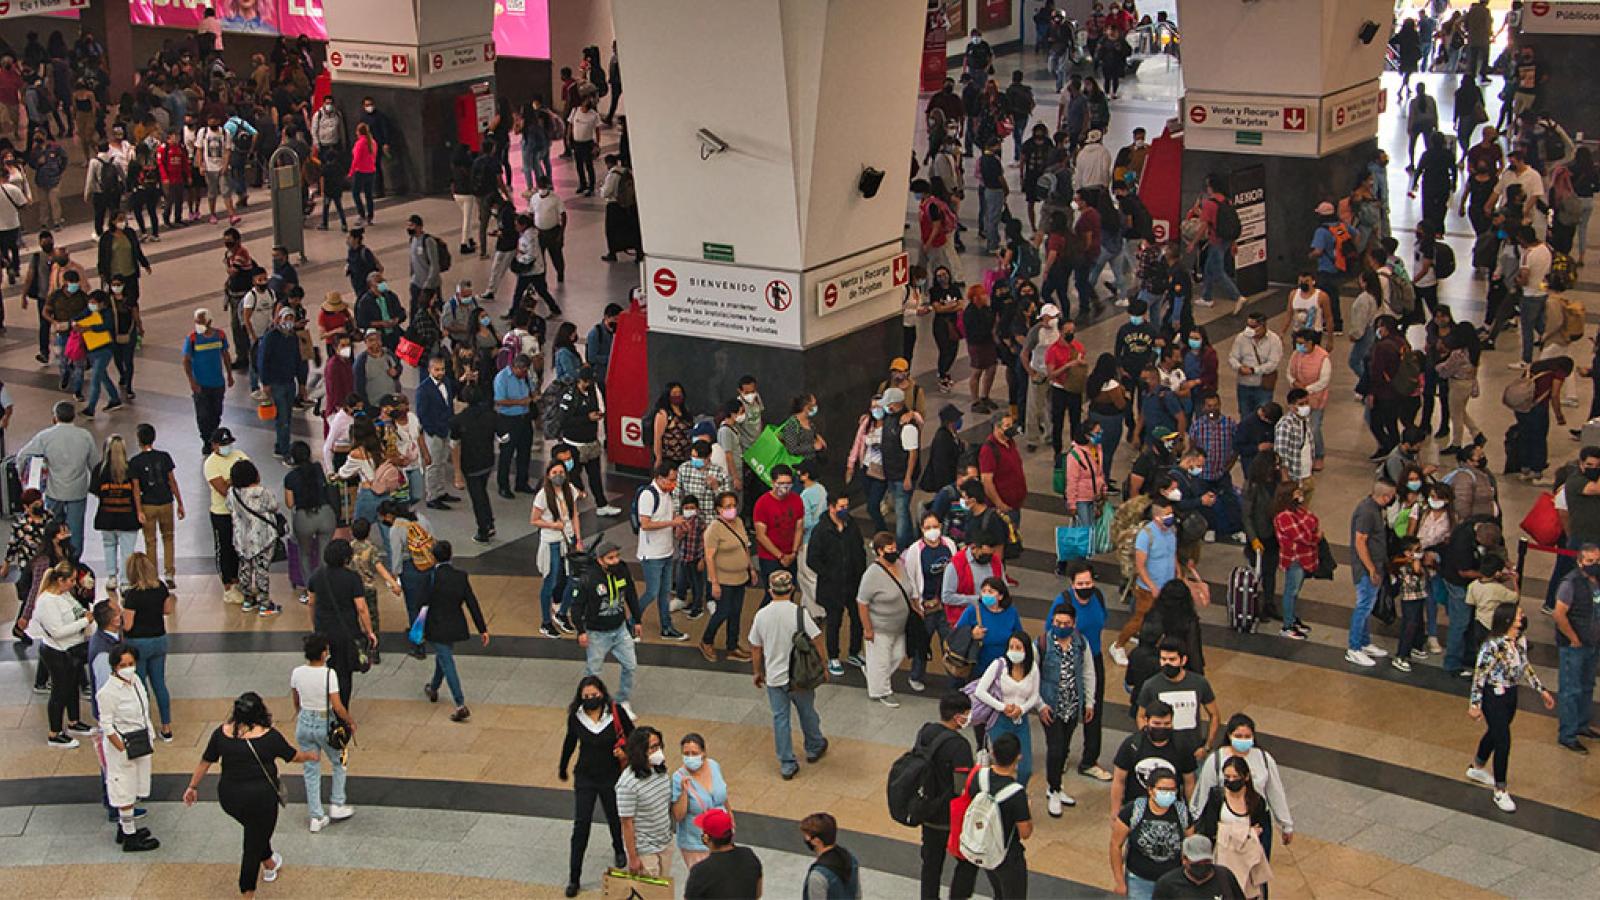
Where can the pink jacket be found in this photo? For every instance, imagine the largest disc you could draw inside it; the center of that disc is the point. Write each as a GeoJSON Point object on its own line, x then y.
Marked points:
{"type": "Point", "coordinates": [1086, 477]}
{"type": "Point", "coordinates": [364, 156]}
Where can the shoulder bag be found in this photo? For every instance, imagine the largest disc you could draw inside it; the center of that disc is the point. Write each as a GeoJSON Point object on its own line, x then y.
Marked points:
{"type": "Point", "coordinates": [136, 744]}
{"type": "Point", "coordinates": [363, 647]}
{"type": "Point", "coordinates": [340, 734]}
{"type": "Point", "coordinates": [622, 738]}
{"type": "Point", "coordinates": [961, 650]}
{"type": "Point", "coordinates": [272, 778]}
{"type": "Point", "coordinates": [918, 642]}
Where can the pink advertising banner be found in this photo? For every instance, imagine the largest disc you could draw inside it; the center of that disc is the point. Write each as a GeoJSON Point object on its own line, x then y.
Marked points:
{"type": "Point", "coordinates": [522, 28]}
{"type": "Point", "coordinates": [270, 17]}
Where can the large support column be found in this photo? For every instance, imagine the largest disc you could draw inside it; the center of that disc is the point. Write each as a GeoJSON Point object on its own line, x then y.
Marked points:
{"type": "Point", "coordinates": [764, 255]}
{"type": "Point", "coordinates": [1565, 38]}
{"type": "Point", "coordinates": [109, 20]}
{"type": "Point", "coordinates": [1282, 95]}
{"type": "Point", "coordinates": [415, 60]}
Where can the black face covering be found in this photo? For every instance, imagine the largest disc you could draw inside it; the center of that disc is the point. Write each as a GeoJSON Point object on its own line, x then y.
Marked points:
{"type": "Point", "coordinates": [593, 703]}
{"type": "Point", "coordinates": [1199, 872]}
{"type": "Point", "coordinates": [1172, 671]}
{"type": "Point", "coordinates": [1158, 733]}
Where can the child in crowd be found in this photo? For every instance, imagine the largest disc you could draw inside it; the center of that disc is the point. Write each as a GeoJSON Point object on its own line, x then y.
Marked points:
{"type": "Point", "coordinates": [1492, 587]}
{"type": "Point", "coordinates": [1409, 583]}
{"type": "Point", "coordinates": [690, 565]}
{"type": "Point", "coordinates": [364, 561]}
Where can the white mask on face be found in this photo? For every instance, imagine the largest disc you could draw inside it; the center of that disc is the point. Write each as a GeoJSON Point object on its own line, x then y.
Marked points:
{"type": "Point", "coordinates": [658, 758]}
{"type": "Point", "coordinates": [931, 535]}
{"type": "Point", "coordinates": [128, 673]}
{"type": "Point", "coordinates": [1016, 656]}
{"type": "Point", "coordinates": [1435, 503]}
{"type": "Point", "coordinates": [1303, 411]}
{"type": "Point", "coordinates": [1174, 495]}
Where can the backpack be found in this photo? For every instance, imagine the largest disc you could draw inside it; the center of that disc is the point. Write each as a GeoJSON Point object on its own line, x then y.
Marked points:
{"type": "Point", "coordinates": [983, 841]}
{"type": "Point", "coordinates": [1444, 260]}
{"type": "Point", "coordinates": [1019, 101]}
{"type": "Point", "coordinates": [806, 669]}
{"type": "Point", "coordinates": [1142, 806]}
{"type": "Point", "coordinates": [917, 790]}
{"type": "Point", "coordinates": [1228, 228]}
{"type": "Point", "coordinates": [444, 253]}
{"type": "Point", "coordinates": [1345, 252]}
{"type": "Point", "coordinates": [1562, 275]}
{"type": "Point", "coordinates": [419, 545]}
{"type": "Point", "coordinates": [1027, 264]}
{"type": "Point", "coordinates": [1572, 321]}
{"type": "Point", "coordinates": [633, 508]}
{"type": "Point", "coordinates": [1402, 294]}
{"type": "Point", "coordinates": [1244, 598]}
{"type": "Point", "coordinates": [626, 197]}
{"type": "Point", "coordinates": [1520, 395]}
{"type": "Point", "coordinates": [550, 409]}
{"type": "Point", "coordinates": [109, 181]}
{"type": "Point", "coordinates": [1408, 372]}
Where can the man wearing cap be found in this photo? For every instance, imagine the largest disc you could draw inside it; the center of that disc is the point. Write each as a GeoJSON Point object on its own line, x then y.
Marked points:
{"type": "Point", "coordinates": [1041, 336]}
{"type": "Point", "coordinates": [1325, 252]}
{"type": "Point", "coordinates": [70, 454]}
{"type": "Point", "coordinates": [377, 370]}
{"type": "Point", "coordinates": [901, 445]}
{"type": "Point", "coordinates": [458, 314]}
{"type": "Point", "coordinates": [772, 634]}
{"type": "Point", "coordinates": [1200, 877]}
{"type": "Point", "coordinates": [218, 469]}
{"type": "Point", "coordinates": [425, 271]}
{"type": "Point", "coordinates": [729, 871]}
{"type": "Point", "coordinates": [209, 367]}
{"type": "Point", "coordinates": [900, 377]}
{"type": "Point", "coordinates": [1092, 168]}
{"type": "Point", "coordinates": [277, 361]}
{"type": "Point", "coordinates": [605, 613]}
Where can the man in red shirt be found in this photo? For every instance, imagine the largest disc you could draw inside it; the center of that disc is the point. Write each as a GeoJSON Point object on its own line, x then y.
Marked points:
{"type": "Point", "coordinates": [778, 514]}
{"type": "Point", "coordinates": [1000, 467]}
{"type": "Point", "coordinates": [1086, 231]}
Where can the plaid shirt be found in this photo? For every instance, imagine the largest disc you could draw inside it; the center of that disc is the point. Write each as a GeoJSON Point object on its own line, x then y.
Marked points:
{"type": "Point", "coordinates": [1411, 586]}
{"type": "Point", "coordinates": [1297, 538]}
{"type": "Point", "coordinates": [695, 481]}
{"type": "Point", "coordinates": [691, 540]}
{"type": "Point", "coordinates": [1290, 440]}
{"type": "Point", "coordinates": [1215, 437]}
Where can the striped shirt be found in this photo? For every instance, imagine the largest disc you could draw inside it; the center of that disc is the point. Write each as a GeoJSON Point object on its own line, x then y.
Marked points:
{"type": "Point", "coordinates": [648, 800]}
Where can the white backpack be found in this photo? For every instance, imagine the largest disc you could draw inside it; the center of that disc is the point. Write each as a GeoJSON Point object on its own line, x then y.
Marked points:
{"type": "Point", "coordinates": [983, 837]}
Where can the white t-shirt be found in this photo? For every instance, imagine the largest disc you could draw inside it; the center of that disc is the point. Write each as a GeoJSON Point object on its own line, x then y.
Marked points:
{"type": "Point", "coordinates": [1536, 260]}
{"type": "Point", "coordinates": [564, 513]}
{"type": "Point", "coordinates": [257, 306]}
{"type": "Point", "coordinates": [547, 210]}
{"type": "Point", "coordinates": [1532, 182]}
{"type": "Point", "coordinates": [314, 684]}
{"type": "Point", "coordinates": [655, 504]}
{"type": "Point", "coordinates": [1307, 310]}
{"type": "Point", "coordinates": [773, 631]}
{"type": "Point", "coordinates": [585, 124]}
{"type": "Point", "coordinates": [407, 437]}
{"type": "Point", "coordinates": [213, 144]}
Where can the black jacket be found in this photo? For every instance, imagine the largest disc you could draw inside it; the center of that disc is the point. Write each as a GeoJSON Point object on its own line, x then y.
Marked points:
{"type": "Point", "coordinates": [1211, 814]}
{"type": "Point", "coordinates": [448, 591]}
{"type": "Point", "coordinates": [595, 760]}
{"type": "Point", "coordinates": [839, 557]}
{"type": "Point", "coordinates": [943, 461]}
{"type": "Point", "coordinates": [603, 601]}
{"type": "Point", "coordinates": [950, 757]}
{"type": "Point", "coordinates": [574, 409]}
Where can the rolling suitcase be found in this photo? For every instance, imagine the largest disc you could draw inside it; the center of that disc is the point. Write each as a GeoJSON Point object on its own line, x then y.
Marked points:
{"type": "Point", "coordinates": [1244, 598]}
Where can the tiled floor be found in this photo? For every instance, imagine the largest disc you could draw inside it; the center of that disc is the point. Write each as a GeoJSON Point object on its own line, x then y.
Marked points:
{"type": "Point", "coordinates": [1372, 759]}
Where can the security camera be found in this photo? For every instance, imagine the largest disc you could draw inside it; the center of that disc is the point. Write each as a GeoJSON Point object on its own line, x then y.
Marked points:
{"type": "Point", "coordinates": [710, 144]}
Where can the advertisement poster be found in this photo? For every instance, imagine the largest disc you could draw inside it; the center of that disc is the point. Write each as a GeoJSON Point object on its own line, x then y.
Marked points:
{"type": "Point", "coordinates": [934, 36]}
{"type": "Point", "coordinates": [1247, 190]}
{"type": "Point", "coordinates": [522, 28]}
{"type": "Point", "coordinates": [292, 18]}
{"type": "Point", "coordinates": [993, 14]}
{"type": "Point", "coordinates": [955, 16]}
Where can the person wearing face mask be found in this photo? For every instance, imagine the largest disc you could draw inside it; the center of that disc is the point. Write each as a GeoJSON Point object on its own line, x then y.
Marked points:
{"type": "Point", "coordinates": [66, 304]}
{"type": "Point", "coordinates": [885, 601]}
{"type": "Point", "coordinates": [1310, 369]}
{"type": "Point", "coordinates": [1237, 764]}
{"type": "Point", "coordinates": [555, 514]}
{"type": "Point", "coordinates": [1256, 357]}
{"type": "Point", "coordinates": [1297, 532]}
{"type": "Point", "coordinates": [1187, 693]}
{"type": "Point", "coordinates": [1156, 563]}
{"type": "Point", "coordinates": [120, 254]}
{"type": "Point", "coordinates": [328, 130]}
{"type": "Point", "coordinates": [1203, 876]}
{"type": "Point", "coordinates": [450, 600]}
{"type": "Point", "coordinates": [277, 360]}
{"type": "Point", "coordinates": [924, 563]}
{"type": "Point", "coordinates": [836, 552]}
{"type": "Point", "coordinates": [729, 570]}
{"type": "Point", "coordinates": [124, 713]}
{"type": "Point", "coordinates": [1000, 467]}
{"type": "Point", "coordinates": [1160, 409]}
{"type": "Point", "coordinates": [598, 729]}
{"type": "Point", "coordinates": [1477, 493]}
{"type": "Point", "coordinates": [1294, 442]}
{"type": "Point", "coordinates": [582, 413]}
{"type": "Point", "coordinates": [949, 755]}
{"type": "Point", "coordinates": [95, 327]}
{"type": "Point", "coordinates": [1502, 662]}
{"type": "Point", "coordinates": [992, 620]}
{"type": "Point", "coordinates": [1147, 835]}
{"type": "Point", "coordinates": [1066, 372]}
{"type": "Point", "coordinates": [1577, 621]}
{"type": "Point", "coordinates": [697, 787]}
{"type": "Point", "coordinates": [1369, 537]}
{"type": "Point", "coordinates": [1211, 438]}
{"type": "Point", "coordinates": [338, 376]}
{"type": "Point", "coordinates": [1067, 691]}
{"type": "Point", "coordinates": [644, 804]}
{"type": "Point", "coordinates": [1085, 474]}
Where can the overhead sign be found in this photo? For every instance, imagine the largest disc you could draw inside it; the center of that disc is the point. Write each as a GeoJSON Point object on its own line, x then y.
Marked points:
{"type": "Point", "coordinates": [846, 289]}
{"type": "Point", "coordinates": [1248, 113]}
{"type": "Point", "coordinates": [10, 8]}
{"type": "Point", "coordinates": [1561, 18]}
{"type": "Point", "coordinates": [347, 59]}
{"type": "Point", "coordinates": [1352, 108]}
{"type": "Point", "coordinates": [736, 303]}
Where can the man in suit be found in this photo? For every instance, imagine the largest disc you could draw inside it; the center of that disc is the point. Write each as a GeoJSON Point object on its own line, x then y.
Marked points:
{"type": "Point", "coordinates": [446, 625]}
{"type": "Point", "coordinates": [435, 405]}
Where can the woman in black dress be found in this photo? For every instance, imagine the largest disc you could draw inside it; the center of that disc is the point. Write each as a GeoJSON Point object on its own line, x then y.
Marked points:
{"type": "Point", "coordinates": [249, 749]}
{"type": "Point", "coordinates": [597, 727]}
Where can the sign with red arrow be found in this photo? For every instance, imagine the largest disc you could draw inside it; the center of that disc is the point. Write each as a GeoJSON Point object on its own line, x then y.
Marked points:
{"type": "Point", "coordinates": [1294, 118]}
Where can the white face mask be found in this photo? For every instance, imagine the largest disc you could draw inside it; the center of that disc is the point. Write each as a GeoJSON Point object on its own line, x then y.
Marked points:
{"type": "Point", "coordinates": [1174, 495]}
{"type": "Point", "coordinates": [1435, 503]}
{"type": "Point", "coordinates": [128, 673]}
{"type": "Point", "coordinates": [1303, 412]}
{"type": "Point", "coordinates": [658, 758]}
{"type": "Point", "coordinates": [931, 535]}
{"type": "Point", "coordinates": [1016, 656]}
{"type": "Point", "coordinates": [748, 398]}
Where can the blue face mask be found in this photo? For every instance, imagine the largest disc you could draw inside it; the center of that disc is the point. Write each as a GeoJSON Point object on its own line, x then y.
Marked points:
{"type": "Point", "coordinates": [811, 411]}
{"type": "Point", "coordinates": [1136, 320]}
{"type": "Point", "coordinates": [1058, 633]}
{"type": "Point", "coordinates": [1165, 799]}
{"type": "Point", "coordinates": [1096, 438]}
{"type": "Point", "coordinates": [72, 287]}
{"type": "Point", "coordinates": [1242, 745]}
{"type": "Point", "coordinates": [1302, 348]}
{"type": "Point", "coordinates": [1196, 470]}
{"type": "Point", "coordinates": [991, 601]}
{"type": "Point", "coordinates": [877, 412]}
{"type": "Point", "coordinates": [570, 464]}
{"type": "Point", "coordinates": [698, 463]}
{"type": "Point", "coordinates": [1194, 343]}
{"type": "Point", "coordinates": [383, 286]}
{"type": "Point", "coordinates": [959, 423]}
{"type": "Point", "coordinates": [1414, 485]}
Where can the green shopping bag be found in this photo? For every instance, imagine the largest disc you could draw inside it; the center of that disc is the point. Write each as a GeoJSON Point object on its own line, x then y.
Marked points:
{"type": "Point", "coordinates": [768, 452]}
{"type": "Point", "coordinates": [1058, 476]}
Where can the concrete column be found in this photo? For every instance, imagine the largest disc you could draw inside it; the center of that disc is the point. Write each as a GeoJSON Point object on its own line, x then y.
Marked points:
{"type": "Point", "coordinates": [1289, 86]}
{"type": "Point", "coordinates": [763, 254]}
{"type": "Point", "coordinates": [109, 20]}
{"type": "Point", "coordinates": [414, 59]}
{"type": "Point", "coordinates": [1565, 38]}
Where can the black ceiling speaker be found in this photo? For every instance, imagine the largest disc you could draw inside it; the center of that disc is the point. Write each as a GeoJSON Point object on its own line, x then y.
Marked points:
{"type": "Point", "coordinates": [1369, 30]}
{"type": "Point", "coordinates": [870, 180]}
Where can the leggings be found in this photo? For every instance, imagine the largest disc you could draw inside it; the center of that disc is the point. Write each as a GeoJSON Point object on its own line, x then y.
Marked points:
{"type": "Point", "coordinates": [1498, 711]}
{"type": "Point", "coordinates": [63, 671]}
{"type": "Point", "coordinates": [584, 794]}
{"type": "Point", "coordinates": [836, 614]}
{"type": "Point", "coordinates": [944, 337]}
{"type": "Point", "coordinates": [254, 805]}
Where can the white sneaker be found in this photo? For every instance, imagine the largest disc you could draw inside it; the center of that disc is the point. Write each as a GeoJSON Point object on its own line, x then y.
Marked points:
{"type": "Point", "coordinates": [271, 875]}
{"type": "Point", "coordinates": [917, 686]}
{"type": "Point", "coordinates": [1359, 658]}
{"type": "Point", "coordinates": [1211, 537]}
{"type": "Point", "coordinates": [1480, 776]}
{"type": "Point", "coordinates": [1504, 801]}
{"type": "Point", "coordinates": [1374, 651]}
{"type": "Point", "coordinates": [627, 707]}
{"type": "Point", "coordinates": [339, 813]}
{"type": "Point", "coordinates": [1122, 303]}
{"type": "Point", "coordinates": [1433, 646]}
{"type": "Point", "coordinates": [1119, 655]}
{"type": "Point", "coordinates": [1401, 664]}
{"type": "Point", "coordinates": [318, 824]}
{"type": "Point", "coordinates": [608, 511]}
{"type": "Point", "coordinates": [1517, 366]}
{"type": "Point", "coordinates": [1052, 804]}
{"type": "Point", "coordinates": [1201, 301]}
{"type": "Point", "coordinates": [889, 701]}
{"type": "Point", "coordinates": [677, 605]}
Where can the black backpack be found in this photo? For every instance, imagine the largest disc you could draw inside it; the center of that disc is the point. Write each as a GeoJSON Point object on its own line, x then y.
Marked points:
{"type": "Point", "coordinates": [550, 402]}
{"type": "Point", "coordinates": [1444, 260]}
{"type": "Point", "coordinates": [917, 790]}
{"type": "Point", "coordinates": [1228, 228]}
{"type": "Point", "coordinates": [633, 507]}
{"type": "Point", "coordinates": [443, 250]}
{"type": "Point", "coordinates": [109, 181]}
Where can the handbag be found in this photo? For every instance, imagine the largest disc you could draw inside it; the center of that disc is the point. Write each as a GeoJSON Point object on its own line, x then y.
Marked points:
{"type": "Point", "coordinates": [961, 649]}
{"type": "Point", "coordinates": [1326, 565]}
{"type": "Point", "coordinates": [339, 732]}
{"type": "Point", "coordinates": [1383, 607]}
{"type": "Point", "coordinates": [622, 738]}
{"type": "Point", "coordinates": [1102, 528]}
{"type": "Point", "coordinates": [1543, 522]}
{"type": "Point", "coordinates": [1074, 542]}
{"type": "Point", "coordinates": [136, 744]}
{"type": "Point", "coordinates": [277, 785]}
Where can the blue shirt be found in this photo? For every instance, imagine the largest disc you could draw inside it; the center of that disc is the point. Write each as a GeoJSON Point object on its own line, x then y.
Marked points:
{"type": "Point", "coordinates": [815, 499]}
{"type": "Point", "coordinates": [1091, 619]}
{"type": "Point", "coordinates": [690, 837]}
{"type": "Point", "coordinates": [933, 561]}
{"type": "Point", "coordinates": [1161, 548]}
{"type": "Point", "coordinates": [1160, 408]}
{"type": "Point", "coordinates": [507, 386]}
{"type": "Point", "coordinates": [1323, 240]}
{"type": "Point", "coordinates": [204, 353]}
{"type": "Point", "coordinates": [999, 626]}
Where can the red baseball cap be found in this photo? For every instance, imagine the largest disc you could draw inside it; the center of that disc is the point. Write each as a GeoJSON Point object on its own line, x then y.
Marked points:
{"type": "Point", "coordinates": [716, 823]}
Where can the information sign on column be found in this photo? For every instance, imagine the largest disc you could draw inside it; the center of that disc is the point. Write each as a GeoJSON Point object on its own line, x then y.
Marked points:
{"type": "Point", "coordinates": [1247, 191]}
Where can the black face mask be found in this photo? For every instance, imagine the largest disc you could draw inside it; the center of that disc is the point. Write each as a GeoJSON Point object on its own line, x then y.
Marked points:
{"type": "Point", "coordinates": [1592, 572]}
{"type": "Point", "coordinates": [890, 556]}
{"type": "Point", "coordinates": [593, 703]}
{"type": "Point", "coordinates": [1592, 474]}
{"type": "Point", "coordinates": [1232, 784]}
{"type": "Point", "coordinates": [1159, 733]}
{"type": "Point", "coordinates": [1172, 671]}
{"type": "Point", "coordinates": [1200, 871]}
{"type": "Point", "coordinates": [982, 557]}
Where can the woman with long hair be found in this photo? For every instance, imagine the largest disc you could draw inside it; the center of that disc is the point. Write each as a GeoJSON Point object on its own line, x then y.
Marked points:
{"type": "Point", "coordinates": [146, 603]}
{"type": "Point", "coordinates": [316, 677]}
{"type": "Point", "coordinates": [565, 360]}
{"type": "Point", "coordinates": [1009, 687]}
{"type": "Point", "coordinates": [363, 174]}
{"type": "Point", "coordinates": [26, 543]}
{"type": "Point", "coordinates": [1459, 367]}
{"type": "Point", "coordinates": [64, 625]}
{"type": "Point", "coordinates": [117, 518]}
{"type": "Point", "coordinates": [866, 460]}
{"type": "Point", "coordinates": [250, 789]}
{"type": "Point", "coordinates": [1298, 534]}
{"type": "Point", "coordinates": [1234, 815]}
{"type": "Point", "coordinates": [670, 421]}
{"type": "Point", "coordinates": [1108, 404]}
{"type": "Point", "coordinates": [312, 519]}
{"type": "Point", "coordinates": [255, 534]}
{"type": "Point", "coordinates": [1241, 758]}
{"type": "Point", "coordinates": [944, 299]}
{"type": "Point", "coordinates": [1502, 665]}
{"type": "Point", "coordinates": [1585, 182]}
{"type": "Point", "coordinates": [598, 729]}
{"type": "Point", "coordinates": [555, 514]}
{"type": "Point", "coordinates": [644, 804]}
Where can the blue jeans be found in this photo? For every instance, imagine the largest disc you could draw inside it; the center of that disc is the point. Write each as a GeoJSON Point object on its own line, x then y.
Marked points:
{"type": "Point", "coordinates": [119, 545]}
{"type": "Point", "coordinates": [1430, 609]}
{"type": "Point", "coordinates": [311, 732]}
{"type": "Point", "coordinates": [1110, 435]}
{"type": "Point", "coordinates": [1532, 317]}
{"type": "Point", "coordinates": [767, 566]}
{"type": "Point", "coordinates": [1225, 516]}
{"type": "Point", "coordinates": [1252, 398]}
{"type": "Point", "coordinates": [1360, 352]}
{"type": "Point", "coordinates": [362, 185]}
{"type": "Point", "coordinates": [153, 666]}
{"type": "Point", "coordinates": [1003, 725]}
{"type": "Point", "coordinates": [658, 584]}
{"type": "Point", "coordinates": [1366, 598]}
{"type": "Point", "coordinates": [1455, 642]}
{"type": "Point", "coordinates": [283, 397]}
{"type": "Point", "coordinates": [1140, 888]}
{"type": "Point", "coordinates": [990, 202]}
{"type": "Point", "coordinates": [555, 584]}
{"type": "Point", "coordinates": [1575, 694]}
{"type": "Point", "coordinates": [72, 511]}
{"type": "Point", "coordinates": [730, 610]}
{"type": "Point", "coordinates": [1293, 578]}
{"type": "Point", "coordinates": [444, 670]}
{"type": "Point", "coordinates": [779, 698]}
{"type": "Point", "coordinates": [905, 530]}
{"type": "Point", "coordinates": [619, 643]}
{"type": "Point", "coordinates": [99, 361]}
{"type": "Point", "coordinates": [1215, 275]}
{"type": "Point", "coordinates": [876, 489]}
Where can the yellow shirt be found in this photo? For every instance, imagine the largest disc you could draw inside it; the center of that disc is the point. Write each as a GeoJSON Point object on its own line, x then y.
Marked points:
{"type": "Point", "coordinates": [1484, 596]}
{"type": "Point", "coordinates": [218, 466]}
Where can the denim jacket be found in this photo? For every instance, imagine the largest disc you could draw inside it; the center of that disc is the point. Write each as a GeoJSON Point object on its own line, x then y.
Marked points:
{"type": "Point", "coordinates": [1050, 658]}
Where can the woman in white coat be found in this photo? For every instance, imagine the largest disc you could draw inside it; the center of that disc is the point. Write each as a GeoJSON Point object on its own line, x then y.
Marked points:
{"type": "Point", "coordinates": [128, 734]}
